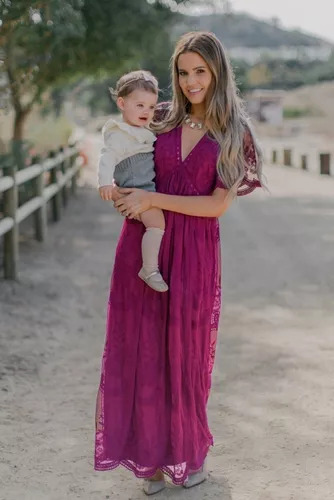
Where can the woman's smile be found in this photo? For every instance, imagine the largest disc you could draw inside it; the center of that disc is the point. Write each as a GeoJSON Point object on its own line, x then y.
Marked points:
{"type": "Point", "coordinates": [195, 91]}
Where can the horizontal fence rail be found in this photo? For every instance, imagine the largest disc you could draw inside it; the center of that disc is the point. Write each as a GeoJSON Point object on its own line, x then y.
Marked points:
{"type": "Point", "coordinates": [53, 179]}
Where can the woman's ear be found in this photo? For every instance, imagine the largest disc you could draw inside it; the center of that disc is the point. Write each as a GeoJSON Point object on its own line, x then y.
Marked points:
{"type": "Point", "coordinates": [120, 103]}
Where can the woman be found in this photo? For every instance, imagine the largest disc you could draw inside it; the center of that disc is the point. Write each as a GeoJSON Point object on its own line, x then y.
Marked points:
{"type": "Point", "coordinates": [159, 352]}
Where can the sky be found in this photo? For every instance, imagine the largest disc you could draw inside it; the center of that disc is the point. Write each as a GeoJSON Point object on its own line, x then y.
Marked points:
{"type": "Point", "coordinates": [315, 17]}
{"type": "Point", "coordinates": [311, 16]}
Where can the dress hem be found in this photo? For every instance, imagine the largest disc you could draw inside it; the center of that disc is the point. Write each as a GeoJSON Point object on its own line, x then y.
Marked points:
{"type": "Point", "coordinates": [128, 464]}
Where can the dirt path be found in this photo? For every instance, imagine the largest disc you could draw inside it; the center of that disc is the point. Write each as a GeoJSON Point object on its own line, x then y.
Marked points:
{"type": "Point", "coordinates": [271, 408]}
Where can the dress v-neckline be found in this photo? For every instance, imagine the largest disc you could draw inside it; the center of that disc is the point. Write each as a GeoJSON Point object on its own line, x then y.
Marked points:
{"type": "Point", "coordinates": [183, 160]}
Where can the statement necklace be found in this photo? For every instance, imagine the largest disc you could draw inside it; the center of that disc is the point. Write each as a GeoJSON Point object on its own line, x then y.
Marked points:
{"type": "Point", "coordinates": [192, 124]}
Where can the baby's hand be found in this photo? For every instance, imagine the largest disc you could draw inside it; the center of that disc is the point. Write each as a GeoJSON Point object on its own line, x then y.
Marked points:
{"type": "Point", "coordinates": [106, 193]}
{"type": "Point", "coordinates": [110, 193]}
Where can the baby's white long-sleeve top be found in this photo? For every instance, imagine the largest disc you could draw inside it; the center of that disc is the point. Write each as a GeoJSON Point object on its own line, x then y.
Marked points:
{"type": "Point", "coordinates": [121, 140]}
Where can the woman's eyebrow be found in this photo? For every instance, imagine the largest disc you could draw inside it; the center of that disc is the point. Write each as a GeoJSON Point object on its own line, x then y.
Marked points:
{"type": "Point", "coordinates": [197, 67]}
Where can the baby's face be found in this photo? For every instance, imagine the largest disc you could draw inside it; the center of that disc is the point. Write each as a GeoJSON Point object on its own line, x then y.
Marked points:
{"type": "Point", "coordinates": [138, 107]}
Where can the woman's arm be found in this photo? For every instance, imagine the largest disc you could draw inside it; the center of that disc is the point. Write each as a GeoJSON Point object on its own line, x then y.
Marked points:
{"type": "Point", "coordinates": [138, 201]}
{"type": "Point", "coordinates": [201, 206]}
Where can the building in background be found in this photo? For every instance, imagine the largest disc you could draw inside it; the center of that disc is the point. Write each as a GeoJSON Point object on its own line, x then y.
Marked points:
{"type": "Point", "coordinates": [266, 106]}
{"type": "Point", "coordinates": [303, 53]}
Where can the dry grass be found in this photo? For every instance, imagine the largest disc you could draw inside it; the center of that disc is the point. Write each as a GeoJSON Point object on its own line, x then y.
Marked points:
{"type": "Point", "coordinates": [44, 133]}
{"type": "Point", "coordinates": [319, 99]}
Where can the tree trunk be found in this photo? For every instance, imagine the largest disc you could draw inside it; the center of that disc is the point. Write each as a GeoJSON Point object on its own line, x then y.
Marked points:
{"type": "Point", "coordinates": [19, 122]}
{"type": "Point", "coordinates": [18, 135]}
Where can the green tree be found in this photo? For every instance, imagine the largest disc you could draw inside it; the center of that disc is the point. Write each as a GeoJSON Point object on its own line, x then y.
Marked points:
{"type": "Point", "coordinates": [50, 42]}
{"type": "Point", "coordinates": [38, 43]}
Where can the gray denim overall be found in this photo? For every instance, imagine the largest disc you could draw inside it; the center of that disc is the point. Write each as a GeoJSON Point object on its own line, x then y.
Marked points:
{"type": "Point", "coordinates": [136, 171]}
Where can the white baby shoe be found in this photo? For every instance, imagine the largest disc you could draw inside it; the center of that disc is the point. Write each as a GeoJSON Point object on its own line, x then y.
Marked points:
{"type": "Point", "coordinates": [154, 280]}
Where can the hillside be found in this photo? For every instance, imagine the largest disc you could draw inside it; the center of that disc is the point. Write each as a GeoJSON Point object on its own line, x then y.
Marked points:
{"type": "Point", "coordinates": [242, 30]}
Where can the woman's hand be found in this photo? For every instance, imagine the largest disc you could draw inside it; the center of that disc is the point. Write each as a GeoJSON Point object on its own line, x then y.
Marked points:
{"type": "Point", "coordinates": [134, 203]}
{"type": "Point", "coordinates": [110, 193]}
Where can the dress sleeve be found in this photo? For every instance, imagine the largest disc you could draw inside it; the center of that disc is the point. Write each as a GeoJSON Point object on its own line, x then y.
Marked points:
{"type": "Point", "coordinates": [107, 160]}
{"type": "Point", "coordinates": [250, 180]}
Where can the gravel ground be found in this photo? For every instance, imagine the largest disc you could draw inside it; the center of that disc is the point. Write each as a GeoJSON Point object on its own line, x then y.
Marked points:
{"type": "Point", "coordinates": [271, 406]}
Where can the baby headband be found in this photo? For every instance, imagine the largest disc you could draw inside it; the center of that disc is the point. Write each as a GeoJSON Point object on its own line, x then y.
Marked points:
{"type": "Point", "coordinates": [144, 77]}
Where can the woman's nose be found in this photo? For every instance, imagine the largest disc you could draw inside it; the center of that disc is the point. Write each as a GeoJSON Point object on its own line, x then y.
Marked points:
{"type": "Point", "coordinates": [191, 79]}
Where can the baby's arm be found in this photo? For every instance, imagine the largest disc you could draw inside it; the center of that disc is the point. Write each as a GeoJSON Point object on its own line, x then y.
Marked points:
{"type": "Point", "coordinates": [106, 166]}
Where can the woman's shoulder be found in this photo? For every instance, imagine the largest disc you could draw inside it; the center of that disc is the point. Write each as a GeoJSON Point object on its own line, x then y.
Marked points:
{"type": "Point", "coordinates": [248, 136]}
{"type": "Point", "coordinates": [162, 110]}
{"type": "Point", "coordinates": [161, 114]}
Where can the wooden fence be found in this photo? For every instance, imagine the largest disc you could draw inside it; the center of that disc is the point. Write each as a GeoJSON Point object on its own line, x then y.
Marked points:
{"type": "Point", "coordinates": [324, 161]}
{"type": "Point", "coordinates": [53, 180]}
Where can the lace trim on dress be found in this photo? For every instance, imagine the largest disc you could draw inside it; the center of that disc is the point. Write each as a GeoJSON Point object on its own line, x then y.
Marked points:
{"type": "Point", "coordinates": [216, 309]}
{"type": "Point", "coordinates": [177, 473]}
{"type": "Point", "coordinates": [250, 180]}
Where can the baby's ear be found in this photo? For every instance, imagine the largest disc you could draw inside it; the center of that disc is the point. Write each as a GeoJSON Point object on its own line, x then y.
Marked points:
{"type": "Point", "coordinates": [120, 103]}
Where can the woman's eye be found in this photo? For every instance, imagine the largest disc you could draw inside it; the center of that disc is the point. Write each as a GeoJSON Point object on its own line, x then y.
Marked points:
{"type": "Point", "coordinates": [139, 105]}
{"type": "Point", "coordinates": [200, 71]}
{"type": "Point", "coordinates": [182, 73]}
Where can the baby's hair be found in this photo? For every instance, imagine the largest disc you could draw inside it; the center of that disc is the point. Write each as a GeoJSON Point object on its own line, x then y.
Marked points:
{"type": "Point", "coordinates": [135, 80]}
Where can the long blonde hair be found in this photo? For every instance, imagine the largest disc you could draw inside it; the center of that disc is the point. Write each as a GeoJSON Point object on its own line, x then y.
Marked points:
{"type": "Point", "coordinates": [225, 114]}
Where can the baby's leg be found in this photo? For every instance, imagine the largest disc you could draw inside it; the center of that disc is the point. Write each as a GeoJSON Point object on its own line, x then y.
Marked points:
{"type": "Point", "coordinates": [153, 218]}
{"type": "Point", "coordinates": [154, 222]}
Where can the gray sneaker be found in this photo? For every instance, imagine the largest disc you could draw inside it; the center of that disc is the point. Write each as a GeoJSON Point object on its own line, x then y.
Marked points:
{"type": "Point", "coordinates": [196, 478]}
{"type": "Point", "coordinates": [154, 280]}
{"type": "Point", "coordinates": [151, 487]}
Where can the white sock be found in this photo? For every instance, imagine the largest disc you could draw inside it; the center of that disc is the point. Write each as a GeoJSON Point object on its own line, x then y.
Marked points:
{"type": "Point", "coordinates": [150, 247]}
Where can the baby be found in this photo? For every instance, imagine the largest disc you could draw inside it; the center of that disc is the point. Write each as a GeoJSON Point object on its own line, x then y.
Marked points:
{"type": "Point", "coordinates": [127, 158]}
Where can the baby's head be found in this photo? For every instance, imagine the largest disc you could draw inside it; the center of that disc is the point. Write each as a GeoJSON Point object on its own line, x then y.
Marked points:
{"type": "Point", "coordinates": [136, 96]}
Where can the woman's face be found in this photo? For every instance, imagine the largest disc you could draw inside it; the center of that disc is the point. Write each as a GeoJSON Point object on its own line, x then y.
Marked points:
{"type": "Point", "coordinates": [195, 77]}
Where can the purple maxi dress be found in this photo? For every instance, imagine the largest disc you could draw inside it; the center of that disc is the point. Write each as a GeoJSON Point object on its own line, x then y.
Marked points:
{"type": "Point", "coordinates": [160, 347]}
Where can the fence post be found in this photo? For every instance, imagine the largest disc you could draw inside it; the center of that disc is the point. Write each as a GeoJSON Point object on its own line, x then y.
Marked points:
{"type": "Point", "coordinates": [304, 162]}
{"type": "Point", "coordinates": [74, 178]}
{"type": "Point", "coordinates": [63, 167]}
{"type": "Point", "coordinates": [11, 238]}
{"type": "Point", "coordinates": [287, 157]}
{"type": "Point", "coordinates": [40, 214]}
{"type": "Point", "coordinates": [56, 200]}
{"type": "Point", "coordinates": [274, 156]}
{"type": "Point", "coordinates": [325, 159]}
